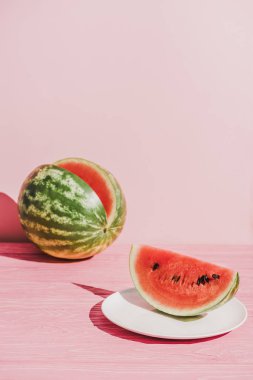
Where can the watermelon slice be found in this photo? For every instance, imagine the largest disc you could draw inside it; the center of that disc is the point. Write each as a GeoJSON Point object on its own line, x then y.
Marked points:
{"type": "Point", "coordinates": [72, 209]}
{"type": "Point", "coordinates": [180, 285]}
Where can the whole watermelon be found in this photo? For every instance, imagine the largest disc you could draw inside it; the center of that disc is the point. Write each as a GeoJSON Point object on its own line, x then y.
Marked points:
{"type": "Point", "coordinates": [72, 209]}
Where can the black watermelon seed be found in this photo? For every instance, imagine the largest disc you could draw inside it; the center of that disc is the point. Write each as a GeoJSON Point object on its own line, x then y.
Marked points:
{"type": "Point", "coordinates": [155, 266]}
{"type": "Point", "coordinates": [177, 278]}
{"type": "Point", "coordinates": [215, 276]}
{"type": "Point", "coordinates": [198, 282]}
{"type": "Point", "coordinates": [202, 279]}
{"type": "Point", "coordinates": [206, 279]}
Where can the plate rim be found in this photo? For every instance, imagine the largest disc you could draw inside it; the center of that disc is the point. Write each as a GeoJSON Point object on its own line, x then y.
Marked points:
{"type": "Point", "coordinates": [188, 337]}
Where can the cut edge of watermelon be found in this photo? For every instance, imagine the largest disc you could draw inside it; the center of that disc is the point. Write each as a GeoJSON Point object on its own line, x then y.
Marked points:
{"type": "Point", "coordinates": [224, 297]}
{"type": "Point", "coordinates": [105, 176]}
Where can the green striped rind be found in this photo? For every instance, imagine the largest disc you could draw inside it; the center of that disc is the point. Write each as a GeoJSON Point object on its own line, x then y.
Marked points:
{"type": "Point", "coordinates": [117, 218]}
{"type": "Point", "coordinates": [120, 210]}
{"type": "Point", "coordinates": [62, 214]}
{"type": "Point", "coordinates": [230, 293]}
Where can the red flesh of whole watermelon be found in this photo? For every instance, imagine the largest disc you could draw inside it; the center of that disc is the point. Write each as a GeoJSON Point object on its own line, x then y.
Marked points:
{"type": "Point", "coordinates": [93, 178]}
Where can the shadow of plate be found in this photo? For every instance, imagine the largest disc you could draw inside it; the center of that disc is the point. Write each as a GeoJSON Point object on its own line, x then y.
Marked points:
{"type": "Point", "coordinates": [102, 323]}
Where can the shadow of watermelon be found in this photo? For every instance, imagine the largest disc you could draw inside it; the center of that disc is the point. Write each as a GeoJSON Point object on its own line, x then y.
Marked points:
{"type": "Point", "coordinates": [10, 227]}
{"type": "Point", "coordinates": [29, 252]}
{"type": "Point", "coordinates": [102, 323]}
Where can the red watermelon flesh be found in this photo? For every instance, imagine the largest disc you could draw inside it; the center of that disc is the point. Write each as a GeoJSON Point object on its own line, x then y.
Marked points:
{"type": "Point", "coordinates": [95, 178]}
{"type": "Point", "coordinates": [179, 284]}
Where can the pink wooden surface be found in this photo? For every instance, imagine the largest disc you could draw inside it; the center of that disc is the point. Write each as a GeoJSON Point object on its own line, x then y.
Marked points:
{"type": "Point", "coordinates": [51, 325]}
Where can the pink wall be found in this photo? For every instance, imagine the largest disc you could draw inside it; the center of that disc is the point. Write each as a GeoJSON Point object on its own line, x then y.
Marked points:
{"type": "Point", "coordinates": [159, 92]}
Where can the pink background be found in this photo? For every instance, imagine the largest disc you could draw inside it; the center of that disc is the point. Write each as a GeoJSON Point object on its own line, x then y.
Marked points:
{"type": "Point", "coordinates": [159, 92]}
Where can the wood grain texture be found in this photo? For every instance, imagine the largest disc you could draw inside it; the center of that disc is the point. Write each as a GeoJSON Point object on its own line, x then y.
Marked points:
{"type": "Point", "coordinates": [52, 327]}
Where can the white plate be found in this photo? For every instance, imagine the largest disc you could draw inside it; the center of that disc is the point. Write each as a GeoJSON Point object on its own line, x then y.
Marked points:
{"type": "Point", "coordinates": [129, 310]}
